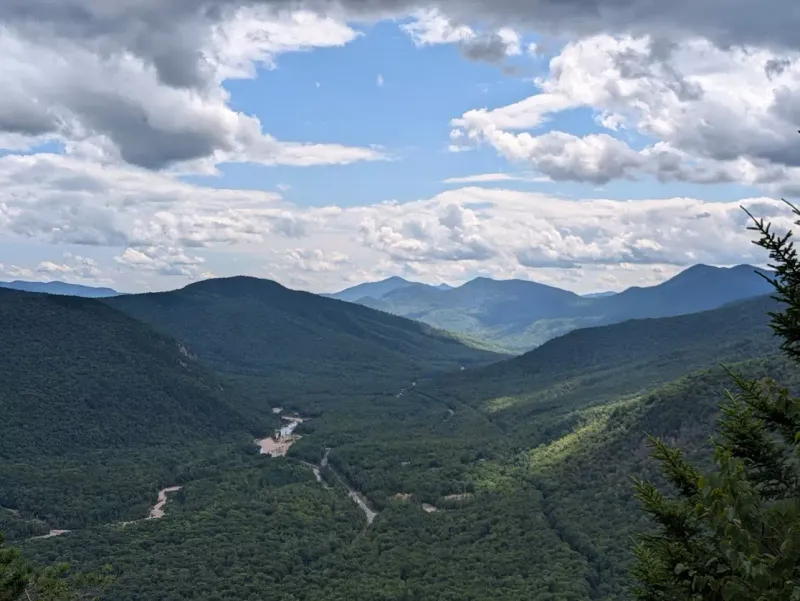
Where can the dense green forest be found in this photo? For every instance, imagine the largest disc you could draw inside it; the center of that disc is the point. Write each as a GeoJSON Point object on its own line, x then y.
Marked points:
{"type": "Point", "coordinates": [99, 412]}
{"type": "Point", "coordinates": [79, 376]}
{"type": "Point", "coordinates": [508, 482]}
{"type": "Point", "coordinates": [297, 349]}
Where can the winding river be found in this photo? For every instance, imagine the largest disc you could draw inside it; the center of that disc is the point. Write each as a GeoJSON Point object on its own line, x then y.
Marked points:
{"type": "Point", "coordinates": [278, 444]}
{"type": "Point", "coordinates": [156, 512]}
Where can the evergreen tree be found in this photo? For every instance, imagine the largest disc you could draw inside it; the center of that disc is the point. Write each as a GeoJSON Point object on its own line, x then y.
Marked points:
{"type": "Point", "coordinates": [14, 573]}
{"type": "Point", "coordinates": [20, 582]}
{"type": "Point", "coordinates": [734, 534]}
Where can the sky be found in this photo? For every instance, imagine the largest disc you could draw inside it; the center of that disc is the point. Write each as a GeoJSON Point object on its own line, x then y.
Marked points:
{"type": "Point", "coordinates": [587, 144]}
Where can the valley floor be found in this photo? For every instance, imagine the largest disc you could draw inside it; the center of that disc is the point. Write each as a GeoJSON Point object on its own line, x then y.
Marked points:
{"type": "Point", "coordinates": [421, 496]}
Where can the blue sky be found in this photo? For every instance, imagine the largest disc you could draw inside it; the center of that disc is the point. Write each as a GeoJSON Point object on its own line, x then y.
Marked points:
{"type": "Point", "coordinates": [581, 150]}
{"type": "Point", "coordinates": [409, 115]}
{"type": "Point", "coordinates": [332, 96]}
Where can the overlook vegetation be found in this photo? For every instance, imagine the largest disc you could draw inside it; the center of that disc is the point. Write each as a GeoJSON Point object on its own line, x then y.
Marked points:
{"type": "Point", "coordinates": [731, 532]}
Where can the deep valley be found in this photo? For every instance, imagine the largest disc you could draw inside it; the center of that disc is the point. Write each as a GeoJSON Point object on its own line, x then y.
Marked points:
{"type": "Point", "coordinates": [308, 448]}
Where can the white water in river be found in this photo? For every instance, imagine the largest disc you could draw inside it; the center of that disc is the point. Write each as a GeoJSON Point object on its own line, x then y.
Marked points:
{"type": "Point", "coordinates": [278, 444]}
{"type": "Point", "coordinates": [288, 429]}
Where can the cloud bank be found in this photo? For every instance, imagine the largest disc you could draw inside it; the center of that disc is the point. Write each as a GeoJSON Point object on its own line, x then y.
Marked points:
{"type": "Point", "coordinates": [132, 96]}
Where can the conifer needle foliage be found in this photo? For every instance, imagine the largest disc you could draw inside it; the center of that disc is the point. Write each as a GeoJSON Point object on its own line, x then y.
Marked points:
{"type": "Point", "coordinates": [733, 534]}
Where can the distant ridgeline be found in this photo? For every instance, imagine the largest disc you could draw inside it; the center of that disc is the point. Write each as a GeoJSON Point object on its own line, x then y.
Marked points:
{"type": "Point", "coordinates": [60, 288]}
{"type": "Point", "coordinates": [517, 315]}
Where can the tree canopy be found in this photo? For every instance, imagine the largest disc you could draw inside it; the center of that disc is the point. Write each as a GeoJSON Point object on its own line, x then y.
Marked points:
{"type": "Point", "coordinates": [733, 534]}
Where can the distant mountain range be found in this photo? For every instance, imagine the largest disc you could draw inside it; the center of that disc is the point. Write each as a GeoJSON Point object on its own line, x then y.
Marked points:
{"type": "Point", "coordinates": [518, 315]}
{"type": "Point", "coordinates": [607, 362]}
{"type": "Point", "coordinates": [599, 294]}
{"type": "Point", "coordinates": [370, 289]}
{"type": "Point", "coordinates": [63, 288]}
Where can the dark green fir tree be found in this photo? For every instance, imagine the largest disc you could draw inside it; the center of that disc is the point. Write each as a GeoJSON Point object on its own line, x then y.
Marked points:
{"type": "Point", "coordinates": [733, 534]}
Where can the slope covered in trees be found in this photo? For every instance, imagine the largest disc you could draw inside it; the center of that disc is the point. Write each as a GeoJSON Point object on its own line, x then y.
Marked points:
{"type": "Point", "coordinates": [535, 398]}
{"type": "Point", "coordinates": [599, 364]}
{"type": "Point", "coordinates": [299, 349]}
{"type": "Point", "coordinates": [97, 411]}
{"type": "Point", "coordinates": [80, 376]}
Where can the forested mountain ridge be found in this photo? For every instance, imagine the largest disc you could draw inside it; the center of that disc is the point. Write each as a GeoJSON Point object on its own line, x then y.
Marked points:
{"type": "Point", "coordinates": [601, 363]}
{"type": "Point", "coordinates": [698, 288]}
{"type": "Point", "coordinates": [370, 289]}
{"type": "Point", "coordinates": [288, 346]}
{"type": "Point", "coordinates": [517, 315]}
{"type": "Point", "coordinates": [79, 375]}
{"type": "Point", "coordinates": [96, 406]}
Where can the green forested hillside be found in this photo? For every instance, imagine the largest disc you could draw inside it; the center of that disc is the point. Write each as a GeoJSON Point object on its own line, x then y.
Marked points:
{"type": "Point", "coordinates": [585, 475]}
{"type": "Point", "coordinates": [460, 419]}
{"type": "Point", "coordinates": [299, 349]}
{"type": "Point", "coordinates": [518, 315]}
{"type": "Point", "coordinates": [80, 376]}
{"type": "Point", "coordinates": [599, 364]}
{"type": "Point", "coordinates": [98, 412]}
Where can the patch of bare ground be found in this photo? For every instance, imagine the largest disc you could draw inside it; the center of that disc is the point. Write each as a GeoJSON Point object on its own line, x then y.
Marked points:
{"type": "Point", "coordinates": [279, 443]}
{"type": "Point", "coordinates": [52, 533]}
{"type": "Point", "coordinates": [428, 508]}
{"type": "Point", "coordinates": [277, 447]}
{"type": "Point", "coordinates": [157, 511]}
{"type": "Point", "coordinates": [402, 496]}
{"type": "Point", "coordinates": [458, 497]}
